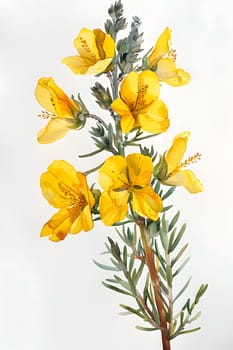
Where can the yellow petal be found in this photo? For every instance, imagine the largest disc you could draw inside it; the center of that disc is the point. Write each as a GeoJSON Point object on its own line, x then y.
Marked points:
{"type": "Point", "coordinates": [166, 69]}
{"type": "Point", "coordinates": [126, 118]}
{"type": "Point", "coordinates": [43, 95]}
{"type": "Point", "coordinates": [139, 169]}
{"type": "Point", "coordinates": [129, 90]}
{"type": "Point", "coordinates": [85, 43]}
{"type": "Point", "coordinates": [113, 173]}
{"type": "Point", "coordinates": [60, 184]}
{"type": "Point", "coordinates": [113, 206]}
{"type": "Point", "coordinates": [181, 78]}
{"type": "Point", "coordinates": [85, 190]}
{"type": "Point", "coordinates": [53, 99]}
{"type": "Point", "coordinates": [147, 203]}
{"type": "Point", "coordinates": [161, 47]}
{"type": "Point", "coordinates": [139, 90]}
{"type": "Point", "coordinates": [187, 179]}
{"type": "Point", "coordinates": [99, 66]}
{"type": "Point", "coordinates": [77, 65]}
{"type": "Point", "coordinates": [153, 118]}
{"type": "Point", "coordinates": [148, 89]}
{"type": "Point", "coordinates": [109, 46]}
{"type": "Point", "coordinates": [83, 222]}
{"type": "Point", "coordinates": [55, 130]}
{"type": "Point", "coordinates": [175, 153]}
{"type": "Point", "coordinates": [57, 227]}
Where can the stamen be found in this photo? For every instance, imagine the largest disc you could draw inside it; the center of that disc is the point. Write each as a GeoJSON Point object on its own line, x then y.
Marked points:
{"type": "Point", "coordinates": [172, 55]}
{"type": "Point", "coordinates": [192, 159]}
{"type": "Point", "coordinates": [46, 115]}
{"type": "Point", "coordinates": [87, 49]}
{"type": "Point", "coordinates": [140, 103]}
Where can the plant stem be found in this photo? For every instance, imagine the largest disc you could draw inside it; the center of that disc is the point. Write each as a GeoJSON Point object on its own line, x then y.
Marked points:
{"type": "Point", "coordinates": [149, 255]}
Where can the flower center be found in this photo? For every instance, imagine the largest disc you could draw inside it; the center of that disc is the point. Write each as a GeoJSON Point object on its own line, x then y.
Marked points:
{"type": "Point", "coordinates": [140, 102]}
{"type": "Point", "coordinates": [76, 198]}
{"type": "Point", "coordinates": [87, 49]}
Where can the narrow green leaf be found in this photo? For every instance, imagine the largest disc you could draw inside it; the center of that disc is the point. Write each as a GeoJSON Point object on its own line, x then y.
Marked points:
{"type": "Point", "coordinates": [125, 256]}
{"type": "Point", "coordinates": [116, 289]}
{"type": "Point", "coordinates": [174, 221]}
{"type": "Point", "coordinates": [173, 327]}
{"type": "Point", "coordinates": [157, 187]}
{"type": "Point", "coordinates": [163, 233]}
{"type": "Point", "coordinates": [178, 238]}
{"type": "Point", "coordinates": [171, 239]}
{"type": "Point", "coordinates": [164, 288]}
{"type": "Point", "coordinates": [179, 255]}
{"type": "Point", "coordinates": [154, 309]}
{"type": "Point", "coordinates": [139, 272]}
{"type": "Point", "coordinates": [169, 276]}
{"type": "Point", "coordinates": [181, 267]}
{"type": "Point", "coordinates": [195, 317]}
{"type": "Point", "coordinates": [169, 192]}
{"type": "Point", "coordinates": [189, 331]}
{"type": "Point", "coordinates": [116, 264]}
{"type": "Point", "coordinates": [106, 267]}
{"type": "Point", "coordinates": [162, 273]}
{"type": "Point", "coordinates": [167, 208]}
{"type": "Point", "coordinates": [131, 263]}
{"type": "Point", "coordinates": [146, 329]}
{"type": "Point", "coordinates": [182, 290]}
{"type": "Point", "coordinates": [200, 292]}
{"type": "Point", "coordinates": [132, 310]}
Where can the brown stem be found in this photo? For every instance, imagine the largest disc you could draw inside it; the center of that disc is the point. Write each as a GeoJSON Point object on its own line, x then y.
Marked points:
{"type": "Point", "coordinates": [156, 286]}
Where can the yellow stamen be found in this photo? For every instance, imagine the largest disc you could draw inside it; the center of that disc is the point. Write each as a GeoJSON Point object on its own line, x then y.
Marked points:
{"type": "Point", "coordinates": [46, 115]}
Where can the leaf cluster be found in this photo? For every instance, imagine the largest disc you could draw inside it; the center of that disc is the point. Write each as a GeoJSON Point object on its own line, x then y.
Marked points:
{"type": "Point", "coordinates": [132, 278]}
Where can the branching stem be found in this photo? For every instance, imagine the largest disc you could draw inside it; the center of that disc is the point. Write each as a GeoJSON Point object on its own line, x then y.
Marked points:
{"type": "Point", "coordinates": [149, 255]}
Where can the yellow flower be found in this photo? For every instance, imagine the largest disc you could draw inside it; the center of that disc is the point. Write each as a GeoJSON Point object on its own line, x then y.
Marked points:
{"type": "Point", "coordinates": [66, 189]}
{"type": "Point", "coordinates": [162, 61]}
{"type": "Point", "coordinates": [96, 50]}
{"type": "Point", "coordinates": [139, 104]}
{"type": "Point", "coordinates": [60, 109]}
{"type": "Point", "coordinates": [127, 179]}
{"type": "Point", "coordinates": [175, 175]}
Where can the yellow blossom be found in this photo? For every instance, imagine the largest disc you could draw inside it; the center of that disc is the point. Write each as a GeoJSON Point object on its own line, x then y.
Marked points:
{"type": "Point", "coordinates": [139, 104]}
{"type": "Point", "coordinates": [127, 179]}
{"type": "Point", "coordinates": [96, 50]}
{"type": "Point", "coordinates": [62, 112]}
{"type": "Point", "coordinates": [175, 175]}
{"type": "Point", "coordinates": [162, 61]}
{"type": "Point", "coordinates": [66, 189]}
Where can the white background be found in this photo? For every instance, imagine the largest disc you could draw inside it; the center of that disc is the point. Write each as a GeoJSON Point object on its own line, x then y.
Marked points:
{"type": "Point", "coordinates": [51, 296]}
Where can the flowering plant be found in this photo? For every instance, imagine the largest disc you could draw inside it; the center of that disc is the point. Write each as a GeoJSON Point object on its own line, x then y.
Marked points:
{"type": "Point", "coordinates": [133, 186]}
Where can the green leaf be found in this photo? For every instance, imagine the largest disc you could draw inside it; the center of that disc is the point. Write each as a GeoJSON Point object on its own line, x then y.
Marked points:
{"type": "Point", "coordinates": [181, 267]}
{"type": "Point", "coordinates": [146, 329]}
{"type": "Point", "coordinates": [125, 256]}
{"type": "Point", "coordinates": [189, 331]}
{"type": "Point", "coordinates": [169, 276]}
{"type": "Point", "coordinates": [163, 233]}
{"type": "Point", "coordinates": [171, 239]}
{"type": "Point", "coordinates": [139, 273]}
{"type": "Point", "coordinates": [179, 255]}
{"type": "Point", "coordinates": [195, 317]}
{"type": "Point", "coordinates": [116, 289]}
{"type": "Point", "coordinates": [106, 267]}
{"type": "Point", "coordinates": [132, 310]}
{"type": "Point", "coordinates": [169, 192]}
{"type": "Point", "coordinates": [178, 238]}
{"type": "Point", "coordinates": [182, 290]}
{"type": "Point", "coordinates": [200, 292]}
{"type": "Point", "coordinates": [174, 221]}
{"type": "Point", "coordinates": [131, 263]}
